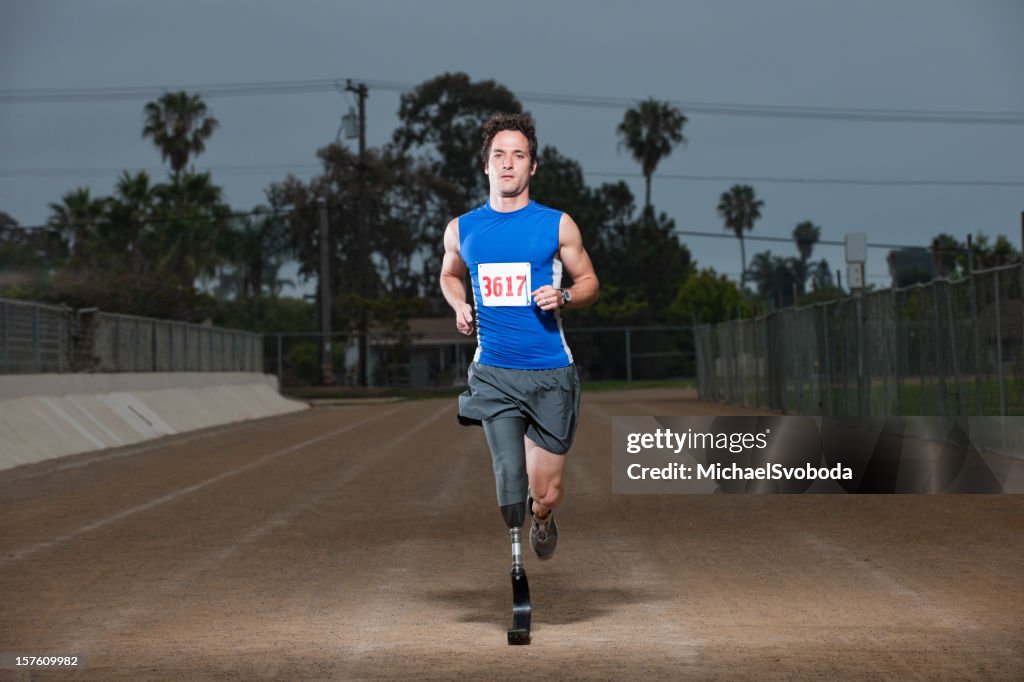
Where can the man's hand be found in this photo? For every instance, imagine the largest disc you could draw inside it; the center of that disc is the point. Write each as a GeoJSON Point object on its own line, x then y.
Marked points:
{"type": "Point", "coordinates": [547, 298]}
{"type": "Point", "coordinates": [464, 319]}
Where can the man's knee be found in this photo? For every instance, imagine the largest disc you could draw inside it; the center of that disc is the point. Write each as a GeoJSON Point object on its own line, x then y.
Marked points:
{"type": "Point", "coordinates": [547, 492]}
{"type": "Point", "coordinates": [546, 486]}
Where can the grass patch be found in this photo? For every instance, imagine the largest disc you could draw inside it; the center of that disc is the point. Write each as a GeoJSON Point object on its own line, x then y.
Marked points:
{"type": "Point", "coordinates": [405, 393]}
{"type": "Point", "coordinates": [617, 385]}
{"type": "Point", "coordinates": [913, 398]}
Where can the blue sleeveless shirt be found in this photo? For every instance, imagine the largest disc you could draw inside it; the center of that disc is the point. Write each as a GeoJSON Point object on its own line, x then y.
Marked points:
{"type": "Point", "coordinates": [509, 255]}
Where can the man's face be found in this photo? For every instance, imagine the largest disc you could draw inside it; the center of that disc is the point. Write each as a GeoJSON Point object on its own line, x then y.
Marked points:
{"type": "Point", "coordinates": [509, 167]}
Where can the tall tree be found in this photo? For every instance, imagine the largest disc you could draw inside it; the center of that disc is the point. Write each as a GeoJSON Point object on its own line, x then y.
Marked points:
{"type": "Point", "coordinates": [179, 126]}
{"type": "Point", "coordinates": [256, 246]}
{"type": "Point", "coordinates": [991, 256]}
{"type": "Point", "coordinates": [442, 120]}
{"type": "Point", "coordinates": [650, 131]}
{"type": "Point", "coordinates": [77, 219]}
{"type": "Point", "coordinates": [821, 276]}
{"type": "Point", "coordinates": [130, 212]}
{"type": "Point", "coordinates": [740, 208]}
{"type": "Point", "coordinates": [24, 250]}
{"type": "Point", "coordinates": [709, 298]}
{"type": "Point", "coordinates": [806, 235]}
{"type": "Point", "coordinates": [190, 228]}
{"type": "Point", "coordinates": [775, 278]}
{"type": "Point", "coordinates": [946, 251]}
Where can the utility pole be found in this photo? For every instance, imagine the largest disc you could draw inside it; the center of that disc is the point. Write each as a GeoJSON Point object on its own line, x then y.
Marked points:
{"type": "Point", "coordinates": [326, 362]}
{"type": "Point", "coordinates": [361, 92]}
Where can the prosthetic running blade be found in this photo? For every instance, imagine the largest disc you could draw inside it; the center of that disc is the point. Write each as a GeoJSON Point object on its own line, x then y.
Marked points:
{"type": "Point", "coordinates": [519, 633]}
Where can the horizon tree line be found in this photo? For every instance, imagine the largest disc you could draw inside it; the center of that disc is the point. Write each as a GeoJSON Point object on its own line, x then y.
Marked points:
{"type": "Point", "coordinates": [158, 238]}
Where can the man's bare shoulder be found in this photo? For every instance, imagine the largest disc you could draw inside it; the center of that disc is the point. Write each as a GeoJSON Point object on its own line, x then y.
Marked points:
{"type": "Point", "coordinates": [451, 236]}
{"type": "Point", "coordinates": [568, 230]}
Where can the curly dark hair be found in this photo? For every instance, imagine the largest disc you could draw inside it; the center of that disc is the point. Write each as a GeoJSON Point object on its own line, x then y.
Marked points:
{"type": "Point", "coordinates": [522, 123]}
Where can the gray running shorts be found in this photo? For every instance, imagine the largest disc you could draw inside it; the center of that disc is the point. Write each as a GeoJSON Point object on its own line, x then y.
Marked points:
{"type": "Point", "coordinates": [548, 399]}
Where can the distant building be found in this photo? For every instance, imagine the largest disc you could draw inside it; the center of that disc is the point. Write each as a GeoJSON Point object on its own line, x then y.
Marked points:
{"type": "Point", "coordinates": [431, 353]}
{"type": "Point", "coordinates": [910, 266]}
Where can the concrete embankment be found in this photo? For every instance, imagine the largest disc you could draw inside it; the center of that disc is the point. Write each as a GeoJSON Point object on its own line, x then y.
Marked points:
{"type": "Point", "coordinates": [43, 416]}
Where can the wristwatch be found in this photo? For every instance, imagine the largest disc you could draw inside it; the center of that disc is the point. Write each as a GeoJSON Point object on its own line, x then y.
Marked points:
{"type": "Point", "coordinates": [566, 296]}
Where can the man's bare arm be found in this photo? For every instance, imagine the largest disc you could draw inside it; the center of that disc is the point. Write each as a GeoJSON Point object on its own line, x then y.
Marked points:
{"type": "Point", "coordinates": [453, 282]}
{"type": "Point", "coordinates": [585, 285]}
{"type": "Point", "coordinates": [576, 261]}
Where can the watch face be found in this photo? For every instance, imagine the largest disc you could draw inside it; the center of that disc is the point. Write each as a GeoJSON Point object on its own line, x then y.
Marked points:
{"type": "Point", "coordinates": [566, 296]}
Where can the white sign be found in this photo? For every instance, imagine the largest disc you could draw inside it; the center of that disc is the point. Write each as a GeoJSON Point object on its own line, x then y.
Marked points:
{"type": "Point", "coordinates": [856, 247]}
{"type": "Point", "coordinates": [504, 284]}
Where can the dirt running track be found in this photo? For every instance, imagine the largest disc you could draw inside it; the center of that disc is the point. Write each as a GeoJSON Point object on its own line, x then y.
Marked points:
{"type": "Point", "coordinates": [365, 542]}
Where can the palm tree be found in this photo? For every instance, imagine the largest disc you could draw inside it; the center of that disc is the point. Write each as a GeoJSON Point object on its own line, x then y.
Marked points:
{"type": "Point", "coordinates": [131, 209]}
{"type": "Point", "coordinates": [774, 278]}
{"type": "Point", "coordinates": [650, 131]}
{"type": "Point", "coordinates": [821, 276]}
{"type": "Point", "coordinates": [806, 235]}
{"type": "Point", "coordinates": [191, 226]}
{"type": "Point", "coordinates": [257, 247]}
{"type": "Point", "coordinates": [740, 208]}
{"type": "Point", "coordinates": [76, 218]}
{"type": "Point", "coordinates": [179, 126]}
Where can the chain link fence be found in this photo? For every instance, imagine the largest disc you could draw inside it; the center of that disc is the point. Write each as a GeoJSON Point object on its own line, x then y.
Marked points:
{"type": "Point", "coordinates": [946, 348]}
{"type": "Point", "coordinates": [424, 356]}
{"type": "Point", "coordinates": [36, 338]}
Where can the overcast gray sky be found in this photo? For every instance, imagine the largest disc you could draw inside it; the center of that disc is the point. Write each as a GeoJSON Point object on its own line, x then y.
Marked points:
{"type": "Point", "coordinates": [928, 56]}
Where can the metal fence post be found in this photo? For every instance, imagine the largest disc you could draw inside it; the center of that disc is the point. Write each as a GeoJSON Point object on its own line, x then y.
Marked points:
{"type": "Point", "coordinates": [798, 369]}
{"type": "Point", "coordinates": [136, 346]}
{"type": "Point", "coordinates": [886, 365]}
{"type": "Point", "coordinates": [862, 388]}
{"type": "Point", "coordinates": [952, 350]}
{"type": "Point", "coordinates": [629, 356]}
{"type": "Point", "coordinates": [37, 358]}
{"type": "Point", "coordinates": [979, 388]}
{"type": "Point", "coordinates": [999, 347]}
{"type": "Point", "coordinates": [280, 362]}
{"type": "Point", "coordinates": [899, 336]}
{"type": "Point", "coordinates": [116, 344]}
{"type": "Point", "coordinates": [739, 364]}
{"type": "Point", "coordinates": [5, 350]}
{"type": "Point", "coordinates": [828, 363]}
{"type": "Point", "coordinates": [940, 371]}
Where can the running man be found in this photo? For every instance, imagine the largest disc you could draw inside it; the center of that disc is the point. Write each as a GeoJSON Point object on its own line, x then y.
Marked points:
{"type": "Point", "coordinates": [523, 387]}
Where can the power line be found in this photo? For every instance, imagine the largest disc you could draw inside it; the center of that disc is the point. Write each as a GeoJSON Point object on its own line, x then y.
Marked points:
{"type": "Point", "coordinates": [264, 169]}
{"type": "Point", "coordinates": [819, 181]}
{"type": "Point", "coordinates": [790, 240]}
{"type": "Point", "coordinates": [250, 169]}
{"type": "Point", "coordinates": [294, 87]}
{"type": "Point", "coordinates": [284, 212]}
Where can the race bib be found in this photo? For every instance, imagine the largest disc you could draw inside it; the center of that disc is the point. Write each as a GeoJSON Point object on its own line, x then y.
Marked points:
{"type": "Point", "coordinates": [505, 284]}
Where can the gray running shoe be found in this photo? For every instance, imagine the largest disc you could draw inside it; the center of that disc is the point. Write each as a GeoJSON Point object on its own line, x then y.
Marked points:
{"type": "Point", "coordinates": [543, 535]}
